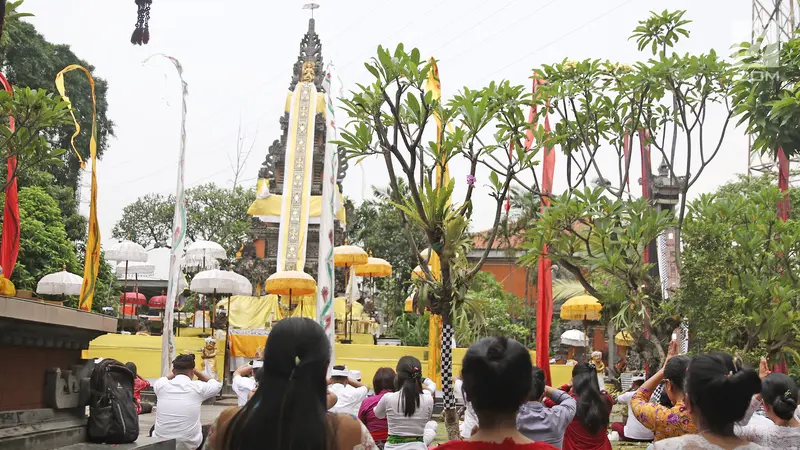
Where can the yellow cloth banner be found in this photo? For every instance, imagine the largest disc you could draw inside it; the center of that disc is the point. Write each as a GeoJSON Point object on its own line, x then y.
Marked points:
{"type": "Point", "coordinates": [340, 308]}
{"type": "Point", "coordinates": [252, 312]}
{"type": "Point", "coordinates": [306, 306]}
{"type": "Point", "coordinates": [435, 349]}
{"type": "Point", "coordinates": [92, 264]}
{"type": "Point", "coordinates": [434, 85]}
{"type": "Point", "coordinates": [246, 345]}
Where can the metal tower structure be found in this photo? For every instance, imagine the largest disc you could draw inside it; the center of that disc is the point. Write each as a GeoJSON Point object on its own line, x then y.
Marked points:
{"type": "Point", "coordinates": [774, 22]}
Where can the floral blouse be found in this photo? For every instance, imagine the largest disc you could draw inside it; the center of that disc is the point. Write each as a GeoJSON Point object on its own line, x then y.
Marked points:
{"type": "Point", "coordinates": [662, 421]}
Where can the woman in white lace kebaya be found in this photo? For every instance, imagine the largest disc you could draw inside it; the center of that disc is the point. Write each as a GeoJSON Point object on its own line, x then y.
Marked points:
{"type": "Point", "coordinates": [718, 393]}
{"type": "Point", "coordinates": [779, 398]}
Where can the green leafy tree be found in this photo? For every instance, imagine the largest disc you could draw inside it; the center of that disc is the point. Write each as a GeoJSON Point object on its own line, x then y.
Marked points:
{"type": "Point", "coordinates": [378, 228]}
{"type": "Point", "coordinates": [213, 214]}
{"type": "Point", "coordinates": [740, 284]}
{"type": "Point", "coordinates": [390, 117]}
{"type": "Point", "coordinates": [601, 240]}
{"type": "Point", "coordinates": [767, 95]}
{"type": "Point", "coordinates": [30, 61]}
{"type": "Point", "coordinates": [44, 245]}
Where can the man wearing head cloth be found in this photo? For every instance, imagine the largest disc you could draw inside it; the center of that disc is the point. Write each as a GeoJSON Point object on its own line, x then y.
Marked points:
{"type": "Point", "coordinates": [632, 430]}
{"type": "Point", "coordinates": [349, 392]}
{"type": "Point", "coordinates": [180, 397]}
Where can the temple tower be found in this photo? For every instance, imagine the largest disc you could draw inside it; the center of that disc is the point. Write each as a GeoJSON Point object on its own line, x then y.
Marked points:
{"type": "Point", "coordinates": [261, 258]}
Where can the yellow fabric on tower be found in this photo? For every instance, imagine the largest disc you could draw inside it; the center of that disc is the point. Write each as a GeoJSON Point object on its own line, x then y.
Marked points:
{"type": "Point", "coordinates": [252, 312]}
{"type": "Point", "coordinates": [271, 206]}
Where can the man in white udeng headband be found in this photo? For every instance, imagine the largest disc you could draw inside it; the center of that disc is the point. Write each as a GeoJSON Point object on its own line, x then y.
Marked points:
{"type": "Point", "coordinates": [349, 393]}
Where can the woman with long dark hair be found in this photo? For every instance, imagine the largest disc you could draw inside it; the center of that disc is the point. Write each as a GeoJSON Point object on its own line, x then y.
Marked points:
{"type": "Point", "coordinates": [289, 411]}
{"type": "Point", "coordinates": [497, 380]}
{"type": "Point", "coordinates": [718, 393]}
{"type": "Point", "coordinates": [589, 429]}
{"type": "Point", "coordinates": [665, 422]}
{"type": "Point", "coordinates": [408, 410]}
{"type": "Point", "coordinates": [382, 384]}
{"type": "Point", "coordinates": [779, 397]}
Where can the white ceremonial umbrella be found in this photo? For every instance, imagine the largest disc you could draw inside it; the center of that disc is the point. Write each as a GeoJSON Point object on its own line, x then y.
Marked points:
{"type": "Point", "coordinates": [136, 268]}
{"type": "Point", "coordinates": [60, 283]}
{"type": "Point", "coordinates": [197, 262]}
{"type": "Point", "coordinates": [126, 251]}
{"type": "Point", "coordinates": [574, 338]}
{"type": "Point", "coordinates": [205, 250]}
{"type": "Point", "coordinates": [225, 282]}
{"type": "Point", "coordinates": [217, 281]}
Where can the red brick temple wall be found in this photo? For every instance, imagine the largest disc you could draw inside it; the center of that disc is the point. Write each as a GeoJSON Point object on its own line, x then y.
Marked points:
{"type": "Point", "coordinates": [22, 374]}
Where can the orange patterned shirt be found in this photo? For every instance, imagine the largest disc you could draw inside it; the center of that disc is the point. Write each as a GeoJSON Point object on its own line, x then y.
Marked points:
{"type": "Point", "coordinates": [662, 421]}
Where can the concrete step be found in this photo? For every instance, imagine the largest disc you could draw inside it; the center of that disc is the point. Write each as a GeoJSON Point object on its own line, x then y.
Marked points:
{"type": "Point", "coordinates": [143, 443]}
{"type": "Point", "coordinates": [47, 435]}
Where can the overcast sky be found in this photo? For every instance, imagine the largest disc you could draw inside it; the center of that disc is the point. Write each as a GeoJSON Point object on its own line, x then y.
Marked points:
{"type": "Point", "coordinates": [238, 55]}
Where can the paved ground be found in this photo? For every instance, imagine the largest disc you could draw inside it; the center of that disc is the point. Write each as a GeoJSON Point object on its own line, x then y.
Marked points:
{"type": "Point", "coordinates": [207, 415]}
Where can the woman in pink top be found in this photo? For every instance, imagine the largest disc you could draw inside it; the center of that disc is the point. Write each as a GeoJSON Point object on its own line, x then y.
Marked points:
{"type": "Point", "coordinates": [382, 383]}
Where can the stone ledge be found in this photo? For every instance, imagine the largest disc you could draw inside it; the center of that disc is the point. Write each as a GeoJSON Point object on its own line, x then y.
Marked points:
{"type": "Point", "coordinates": [143, 443]}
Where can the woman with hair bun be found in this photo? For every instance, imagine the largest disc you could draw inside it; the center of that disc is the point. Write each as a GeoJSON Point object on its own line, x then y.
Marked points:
{"type": "Point", "coordinates": [408, 410]}
{"type": "Point", "coordinates": [718, 393]}
{"type": "Point", "coordinates": [665, 422]}
{"type": "Point", "coordinates": [779, 398]}
{"type": "Point", "coordinates": [497, 380]}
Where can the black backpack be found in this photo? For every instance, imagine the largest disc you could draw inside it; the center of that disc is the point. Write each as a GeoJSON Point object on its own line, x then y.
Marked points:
{"type": "Point", "coordinates": [112, 412]}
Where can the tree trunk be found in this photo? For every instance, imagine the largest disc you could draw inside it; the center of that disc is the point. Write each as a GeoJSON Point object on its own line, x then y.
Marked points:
{"type": "Point", "coordinates": [450, 416]}
{"type": "Point", "coordinates": [612, 349]}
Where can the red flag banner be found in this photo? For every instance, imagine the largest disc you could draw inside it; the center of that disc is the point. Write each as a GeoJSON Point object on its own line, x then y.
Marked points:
{"type": "Point", "coordinates": [544, 288]}
{"type": "Point", "coordinates": [9, 248]}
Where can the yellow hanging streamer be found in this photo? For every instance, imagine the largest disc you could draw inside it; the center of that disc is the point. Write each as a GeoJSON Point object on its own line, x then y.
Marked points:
{"type": "Point", "coordinates": [92, 264]}
{"type": "Point", "coordinates": [434, 85]}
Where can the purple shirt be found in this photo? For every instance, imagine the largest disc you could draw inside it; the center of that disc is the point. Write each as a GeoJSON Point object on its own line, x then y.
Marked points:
{"type": "Point", "coordinates": [367, 414]}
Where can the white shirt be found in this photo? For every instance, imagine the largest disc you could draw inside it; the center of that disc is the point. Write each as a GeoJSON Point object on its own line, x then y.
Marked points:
{"type": "Point", "coordinates": [430, 385]}
{"type": "Point", "coordinates": [696, 442]}
{"type": "Point", "coordinates": [243, 386]}
{"type": "Point", "coordinates": [470, 418]}
{"type": "Point", "coordinates": [178, 409]}
{"type": "Point", "coordinates": [633, 428]}
{"type": "Point", "coordinates": [390, 406]}
{"type": "Point", "coordinates": [348, 398]}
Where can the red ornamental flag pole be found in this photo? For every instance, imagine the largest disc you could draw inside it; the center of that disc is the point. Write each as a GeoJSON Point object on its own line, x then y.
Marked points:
{"type": "Point", "coordinates": [9, 248]}
{"type": "Point", "coordinates": [544, 288]}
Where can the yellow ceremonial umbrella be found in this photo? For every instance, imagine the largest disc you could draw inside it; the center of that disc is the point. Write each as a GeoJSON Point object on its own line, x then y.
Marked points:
{"type": "Point", "coordinates": [584, 308]}
{"type": "Point", "coordinates": [418, 273]}
{"type": "Point", "coordinates": [348, 256]}
{"type": "Point", "coordinates": [409, 304]}
{"type": "Point", "coordinates": [623, 339]}
{"type": "Point", "coordinates": [291, 282]}
{"type": "Point", "coordinates": [374, 268]}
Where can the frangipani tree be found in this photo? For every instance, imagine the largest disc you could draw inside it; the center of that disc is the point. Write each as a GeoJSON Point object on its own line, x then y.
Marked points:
{"type": "Point", "coordinates": [395, 118]}
{"type": "Point", "coordinates": [675, 106]}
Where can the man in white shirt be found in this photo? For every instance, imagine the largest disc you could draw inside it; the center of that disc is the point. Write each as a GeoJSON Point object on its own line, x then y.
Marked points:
{"type": "Point", "coordinates": [179, 401]}
{"type": "Point", "coordinates": [244, 381]}
{"type": "Point", "coordinates": [633, 430]}
{"type": "Point", "coordinates": [349, 393]}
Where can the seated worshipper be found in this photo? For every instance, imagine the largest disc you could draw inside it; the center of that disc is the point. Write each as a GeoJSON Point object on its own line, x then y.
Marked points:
{"type": "Point", "coordinates": [139, 384]}
{"type": "Point", "coordinates": [779, 397]}
{"type": "Point", "coordinates": [589, 429]}
{"type": "Point", "coordinates": [350, 393]}
{"type": "Point", "coordinates": [632, 430]}
{"type": "Point", "coordinates": [718, 394]}
{"type": "Point", "coordinates": [542, 424]}
{"type": "Point", "coordinates": [470, 418]}
{"type": "Point", "coordinates": [179, 401]}
{"type": "Point", "coordinates": [662, 421]}
{"type": "Point", "coordinates": [244, 381]}
{"type": "Point", "coordinates": [382, 384]}
{"type": "Point", "coordinates": [408, 410]}
{"type": "Point", "coordinates": [497, 375]}
{"type": "Point", "coordinates": [288, 411]}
